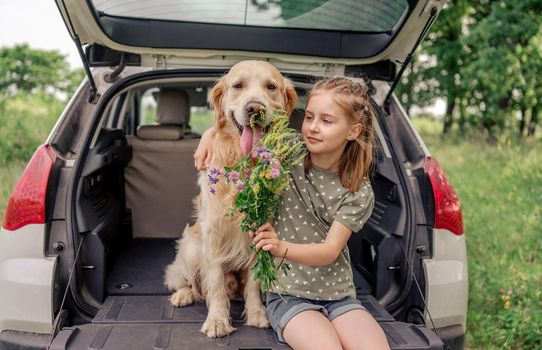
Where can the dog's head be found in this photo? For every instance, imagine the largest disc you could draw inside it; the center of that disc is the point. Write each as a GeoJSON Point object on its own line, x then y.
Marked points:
{"type": "Point", "coordinates": [247, 87]}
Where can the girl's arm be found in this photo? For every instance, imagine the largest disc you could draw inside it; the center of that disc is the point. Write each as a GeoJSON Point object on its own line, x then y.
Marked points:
{"type": "Point", "coordinates": [204, 153]}
{"type": "Point", "coordinates": [311, 254]}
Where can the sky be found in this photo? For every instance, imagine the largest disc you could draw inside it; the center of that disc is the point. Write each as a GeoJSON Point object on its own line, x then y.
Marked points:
{"type": "Point", "coordinates": [38, 23]}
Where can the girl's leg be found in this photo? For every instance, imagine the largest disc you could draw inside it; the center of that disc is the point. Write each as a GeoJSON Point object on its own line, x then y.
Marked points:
{"type": "Point", "coordinates": [311, 330]}
{"type": "Point", "coordinates": [357, 329]}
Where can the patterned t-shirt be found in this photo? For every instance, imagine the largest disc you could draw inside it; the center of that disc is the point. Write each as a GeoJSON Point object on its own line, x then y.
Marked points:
{"type": "Point", "coordinates": [310, 205]}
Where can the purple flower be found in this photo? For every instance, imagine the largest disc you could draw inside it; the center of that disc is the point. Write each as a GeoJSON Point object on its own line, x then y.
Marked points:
{"type": "Point", "coordinates": [265, 155]}
{"type": "Point", "coordinates": [276, 164]}
{"type": "Point", "coordinates": [263, 152]}
{"type": "Point", "coordinates": [249, 173]}
{"type": "Point", "coordinates": [234, 176]}
{"type": "Point", "coordinates": [274, 173]}
{"type": "Point", "coordinates": [212, 180]}
{"type": "Point", "coordinates": [212, 190]}
{"type": "Point", "coordinates": [213, 176]}
{"type": "Point", "coordinates": [240, 186]}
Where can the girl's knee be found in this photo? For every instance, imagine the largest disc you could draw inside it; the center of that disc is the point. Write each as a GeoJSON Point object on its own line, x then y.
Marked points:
{"type": "Point", "coordinates": [311, 330]}
{"type": "Point", "coordinates": [357, 329]}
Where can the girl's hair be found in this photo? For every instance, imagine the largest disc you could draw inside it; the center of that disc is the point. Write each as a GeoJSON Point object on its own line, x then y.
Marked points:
{"type": "Point", "coordinates": [357, 158]}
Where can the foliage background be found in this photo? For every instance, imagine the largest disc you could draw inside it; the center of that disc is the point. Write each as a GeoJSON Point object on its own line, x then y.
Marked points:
{"type": "Point", "coordinates": [484, 59]}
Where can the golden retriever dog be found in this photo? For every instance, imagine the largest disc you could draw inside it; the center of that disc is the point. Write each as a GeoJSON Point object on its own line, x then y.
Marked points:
{"type": "Point", "coordinates": [214, 250]}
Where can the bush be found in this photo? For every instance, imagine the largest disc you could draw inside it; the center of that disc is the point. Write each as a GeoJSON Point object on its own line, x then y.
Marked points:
{"type": "Point", "coordinates": [25, 123]}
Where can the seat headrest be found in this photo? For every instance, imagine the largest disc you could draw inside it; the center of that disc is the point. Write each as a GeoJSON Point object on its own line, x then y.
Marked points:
{"type": "Point", "coordinates": [160, 132]}
{"type": "Point", "coordinates": [173, 107]}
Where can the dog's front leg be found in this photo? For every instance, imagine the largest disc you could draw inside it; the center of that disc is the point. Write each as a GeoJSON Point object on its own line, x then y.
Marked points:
{"type": "Point", "coordinates": [254, 309]}
{"type": "Point", "coordinates": [218, 322]}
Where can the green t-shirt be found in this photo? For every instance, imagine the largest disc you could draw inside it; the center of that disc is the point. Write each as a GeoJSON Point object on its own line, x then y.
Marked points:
{"type": "Point", "coordinates": [309, 206]}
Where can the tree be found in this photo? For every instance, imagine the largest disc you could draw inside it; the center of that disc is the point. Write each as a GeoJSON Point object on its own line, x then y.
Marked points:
{"type": "Point", "coordinates": [500, 72]}
{"type": "Point", "coordinates": [437, 70]}
{"type": "Point", "coordinates": [23, 69]}
{"type": "Point", "coordinates": [26, 71]}
{"type": "Point", "coordinates": [485, 59]}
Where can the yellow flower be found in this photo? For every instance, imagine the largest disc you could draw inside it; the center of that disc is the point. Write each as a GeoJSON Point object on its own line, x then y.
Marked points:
{"type": "Point", "coordinates": [506, 301]}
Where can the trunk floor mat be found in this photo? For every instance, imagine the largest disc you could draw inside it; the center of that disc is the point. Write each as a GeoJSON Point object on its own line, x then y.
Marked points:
{"type": "Point", "coordinates": [153, 309]}
{"type": "Point", "coordinates": [138, 315]}
{"type": "Point", "coordinates": [139, 269]}
{"type": "Point", "coordinates": [150, 322]}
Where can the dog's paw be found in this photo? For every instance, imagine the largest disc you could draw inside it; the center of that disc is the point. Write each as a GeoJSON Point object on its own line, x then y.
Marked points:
{"type": "Point", "coordinates": [217, 328]}
{"type": "Point", "coordinates": [182, 297]}
{"type": "Point", "coordinates": [257, 318]}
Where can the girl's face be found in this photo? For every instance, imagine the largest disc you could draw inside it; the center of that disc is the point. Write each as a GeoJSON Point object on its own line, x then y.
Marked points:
{"type": "Point", "coordinates": [326, 128]}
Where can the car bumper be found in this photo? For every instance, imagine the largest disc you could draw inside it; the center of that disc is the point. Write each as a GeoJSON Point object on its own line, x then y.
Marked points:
{"type": "Point", "coordinates": [23, 340]}
{"type": "Point", "coordinates": [26, 281]}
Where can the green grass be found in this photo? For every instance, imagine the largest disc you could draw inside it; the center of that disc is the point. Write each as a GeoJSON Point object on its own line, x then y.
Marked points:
{"type": "Point", "coordinates": [9, 174]}
{"type": "Point", "coordinates": [500, 189]}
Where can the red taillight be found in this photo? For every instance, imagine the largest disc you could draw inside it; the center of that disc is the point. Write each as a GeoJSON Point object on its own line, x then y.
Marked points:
{"type": "Point", "coordinates": [448, 214]}
{"type": "Point", "coordinates": [27, 202]}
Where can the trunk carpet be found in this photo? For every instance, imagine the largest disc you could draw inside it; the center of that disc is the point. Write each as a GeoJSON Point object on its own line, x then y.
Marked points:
{"type": "Point", "coordinates": [139, 269]}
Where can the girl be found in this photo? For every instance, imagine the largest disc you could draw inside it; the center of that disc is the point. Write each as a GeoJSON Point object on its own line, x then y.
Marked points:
{"type": "Point", "coordinates": [330, 197]}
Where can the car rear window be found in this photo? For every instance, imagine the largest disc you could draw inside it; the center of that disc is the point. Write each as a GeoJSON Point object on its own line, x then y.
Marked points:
{"type": "Point", "coordinates": [342, 15]}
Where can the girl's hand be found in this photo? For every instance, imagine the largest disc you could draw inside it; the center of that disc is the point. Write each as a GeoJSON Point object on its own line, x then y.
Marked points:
{"type": "Point", "coordinates": [266, 238]}
{"type": "Point", "coordinates": [204, 153]}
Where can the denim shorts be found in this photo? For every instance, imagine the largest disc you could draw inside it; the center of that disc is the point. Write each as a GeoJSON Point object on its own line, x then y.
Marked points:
{"type": "Point", "coordinates": [281, 310]}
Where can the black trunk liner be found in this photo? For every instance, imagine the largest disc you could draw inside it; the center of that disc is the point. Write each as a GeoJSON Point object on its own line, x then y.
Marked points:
{"type": "Point", "coordinates": [138, 315]}
{"type": "Point", "coordinates": [139, 269]}
{"type": "Point", "coordinates": [150, 322]}
{"type": "Point", "coordinates": [151, 309]}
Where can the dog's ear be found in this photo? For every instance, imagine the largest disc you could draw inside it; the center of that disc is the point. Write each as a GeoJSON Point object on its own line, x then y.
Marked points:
{"type": "Point", "coordinates": [215, 100]}
{"type": "Point", "coordinates": [290, 96]}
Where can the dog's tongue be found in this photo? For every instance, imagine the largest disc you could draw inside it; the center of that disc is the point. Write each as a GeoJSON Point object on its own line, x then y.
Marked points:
{"type": "Point", "coordinates": [249, 138]}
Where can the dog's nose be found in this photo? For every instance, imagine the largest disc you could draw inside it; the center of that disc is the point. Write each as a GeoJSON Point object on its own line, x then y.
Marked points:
{"type": "Point", "coordinates": [252, 107]}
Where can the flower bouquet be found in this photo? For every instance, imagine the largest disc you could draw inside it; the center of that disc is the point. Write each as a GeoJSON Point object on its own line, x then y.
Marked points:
{"type": "Point", "coordinates": [260, 178]}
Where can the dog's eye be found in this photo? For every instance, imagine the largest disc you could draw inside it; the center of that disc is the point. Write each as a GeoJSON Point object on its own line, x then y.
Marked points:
{"type": "Point", "coordinates": [238, 85]}
{"type": "Point", "coordinates": [271, 86]}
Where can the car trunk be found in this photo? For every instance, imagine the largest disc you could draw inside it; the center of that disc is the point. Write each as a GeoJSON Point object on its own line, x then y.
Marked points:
{"type": "Point", "coordinates": [136, 313]}
{"type": "Point", "coordinates": [119, 296]}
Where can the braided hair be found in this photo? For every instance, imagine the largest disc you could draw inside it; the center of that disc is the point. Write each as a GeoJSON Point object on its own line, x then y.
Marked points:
{"type": "Point", "coordinates": [354, 98]}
